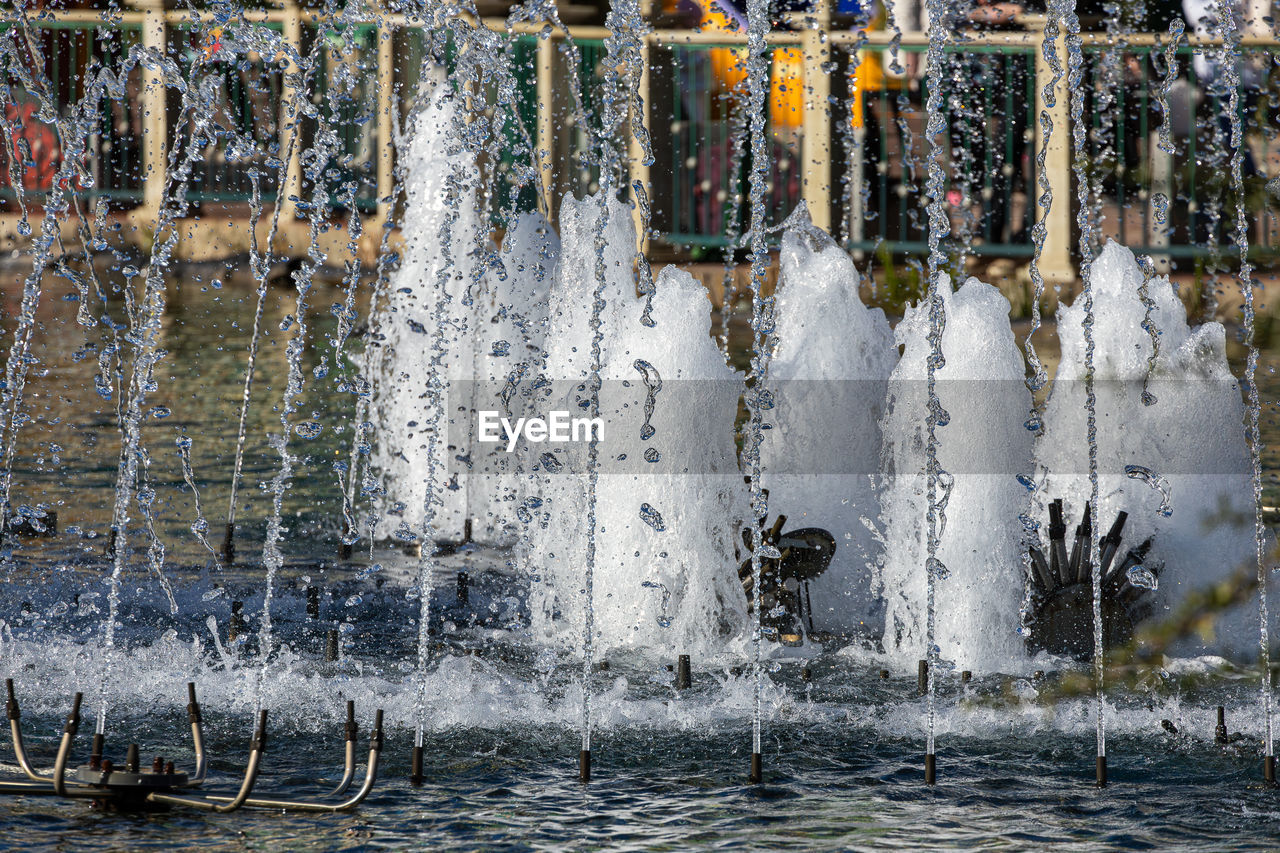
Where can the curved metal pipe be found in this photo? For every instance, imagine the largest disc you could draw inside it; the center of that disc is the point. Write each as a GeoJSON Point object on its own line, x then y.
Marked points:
{"type": "Point", "coordinates": [197, 736]}
{"type": "Point", "coordinates": [370, 777]}
{"type": "Point", "coordinates": [20, 751]}
{"type": "Point", "coordinates": [64, 747]}
{"type": "Point", "coordinates": [26, 788]}
{"type": "Point", "coordinates": [213, 804]}
{"type": "Point", "coordinates": [348, 771]}
{"type": "Point", "coordinates": [349, 759]}
{"type": "Point", "coordinates": [15, 729]}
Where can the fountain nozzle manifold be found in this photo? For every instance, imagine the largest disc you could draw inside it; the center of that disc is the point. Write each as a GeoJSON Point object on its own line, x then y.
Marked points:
{"type": "Point", "coordinates": [162, 786]}
{"type": "Point", "coordinates": [1061, 619]}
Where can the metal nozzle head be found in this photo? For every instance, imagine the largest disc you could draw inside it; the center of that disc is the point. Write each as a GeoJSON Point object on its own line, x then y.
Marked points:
{"type": "Point", "coordinates": [229, 543]}
{"type": "Point", "coordinates": [260, 734]}
{"type": "Point", "coordinates": [95, 754]}
{"type": "Point", "coordinates": [73, 719]}
{"type": "Point", "coordinates": [193, 707]}
{"type": "Point", "coordinates": [1057, 527]}
{"type": "Point", "coordinates": [684, 673]}
{"type": "Point", "coordinates": [415, 767]}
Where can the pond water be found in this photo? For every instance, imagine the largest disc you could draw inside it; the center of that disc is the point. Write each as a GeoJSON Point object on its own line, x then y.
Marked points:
{"type": "Point", "coordinates": [842, 749]}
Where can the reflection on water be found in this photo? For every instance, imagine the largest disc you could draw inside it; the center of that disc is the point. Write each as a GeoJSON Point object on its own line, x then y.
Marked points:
{"type": "Point", "coordinates": [68, 450]}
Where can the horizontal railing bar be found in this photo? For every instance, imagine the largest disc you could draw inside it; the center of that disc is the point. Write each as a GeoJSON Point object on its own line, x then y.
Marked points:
{"type": "Point", "coordinates": [1029, 38]}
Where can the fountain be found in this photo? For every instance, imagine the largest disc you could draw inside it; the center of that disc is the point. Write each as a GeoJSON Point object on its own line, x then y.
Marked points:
{"type": "Point", "coordinates": [491, 472]}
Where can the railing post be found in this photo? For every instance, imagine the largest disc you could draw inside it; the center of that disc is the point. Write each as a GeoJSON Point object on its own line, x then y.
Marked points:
{"type": "Point", "coordinates": [386, 123]}
{"type": "Point", "coordinates": [1055, 258]}
{"type": "Point", "coordinates": [290, 115]}
{"type": "Point", "coordinates": [816, 141]}
{"type": "Point", "coordinates": [639, 168]}
{"type": "Point", "coordinates": [155, 118]}
{"type": "Point", "coordinates": [546, 114]}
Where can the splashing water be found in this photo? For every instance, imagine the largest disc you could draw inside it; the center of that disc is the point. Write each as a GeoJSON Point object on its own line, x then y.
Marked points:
{"type": "Point", "coordinates": [1143, 578]}
{"type": "Point", "coordinates": [1149, 326]}
{"type": "Point", "coordinates": [652, 385]}
{"type": "Point", "coordinates": [1040, 230]}
{"type": "Point", "coordinates": [1066, 10]}
{"type": "Point", "coordinates": [652, 517]}
{"type": "Point", "coordinates": [1176, 31]}
{"type": "Point", "coordinates": [939, 227]}
{"type": "Point", "coordinates": [758, 26]}
{"type": "Point", "coordinates": [199, 527]}
{"type": "Point", "coordinates": [1145, 475]}
{"type": "Point", "coordinates": [144, 335]}
{"type": "Point", "coordinates": [1230, 58]}
{"type": "Point", "coordinates": [738, 126]}
{"type": "Point", "coordinates": [323, 150]}
{"type": "Point", "coordinates": [458, 186]}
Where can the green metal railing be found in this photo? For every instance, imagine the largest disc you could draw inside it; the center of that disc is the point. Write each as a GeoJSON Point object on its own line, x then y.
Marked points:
{"type": "Point", "coordinates": [248, 93]}
{"type": "Point", "coordinates": [990, 149]}
{"type": "Point", "coordinates": [875, 156]}
{"type": "Point", "coordinates": [66, 51]}
{"type": "Point", "coordinates": [350, 110]}
{"type": "Point", "coordinates": [1194, 179]}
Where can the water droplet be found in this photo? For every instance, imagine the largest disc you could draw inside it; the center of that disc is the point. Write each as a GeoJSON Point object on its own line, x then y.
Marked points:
{"type": "Point", "coordinates": [1142, 577]}
{"type": "Point", "coordinates": [1144, 474]}
{"type": "Point", "coordinates": [769, 552]}
{"type": "Point", "coordinates": [652, 455]}
{"type": "Point", "coordinates": [652, 384]}
{"type": "Point", "coordinates": [1160, 207]}
{"type": "Point", "coordinates": [652, 517]}
{"type": "Point", "coordinates": [309, 429]}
